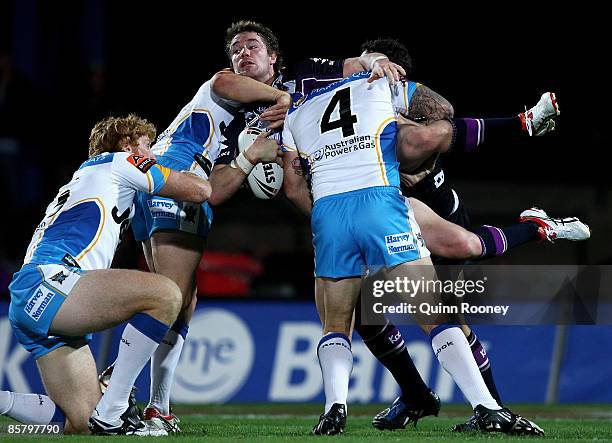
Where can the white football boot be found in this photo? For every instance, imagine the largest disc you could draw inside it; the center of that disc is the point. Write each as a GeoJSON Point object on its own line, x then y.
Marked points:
{"type": "Point", "coordinates": [568, 228]}
{"type": "Point", "coordinates": [539, 119]}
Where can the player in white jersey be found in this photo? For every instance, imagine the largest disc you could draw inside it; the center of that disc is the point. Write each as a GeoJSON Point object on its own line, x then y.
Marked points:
{"type": "Point", "coordinates": [65, 291]}
{"type": "Point", "coordinates": [347, 132]}
{"type": "Point", "coordinates": [174, 232]}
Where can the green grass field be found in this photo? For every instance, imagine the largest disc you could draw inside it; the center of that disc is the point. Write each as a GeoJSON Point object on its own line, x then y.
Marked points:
{"type": "Point", "coordinates": [275, 422]}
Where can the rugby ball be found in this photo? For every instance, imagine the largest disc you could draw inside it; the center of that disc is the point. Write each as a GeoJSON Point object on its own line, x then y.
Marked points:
{"type": "Point", "coordinates": [266, 179]}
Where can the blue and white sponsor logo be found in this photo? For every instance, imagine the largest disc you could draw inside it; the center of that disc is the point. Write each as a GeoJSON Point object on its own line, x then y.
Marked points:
{"type": "Point", "coordinates": [163, 208]}
{"type": "Point", "coordinates": [37, 304]}
{"type": "Point", "coordinates": [216, 360]}
{"type": "Point", "coordinates": [402, 242]}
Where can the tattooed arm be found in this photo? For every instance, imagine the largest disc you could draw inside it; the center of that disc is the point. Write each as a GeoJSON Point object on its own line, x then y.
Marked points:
{"type": "Point", "coordinates": [429, 106]}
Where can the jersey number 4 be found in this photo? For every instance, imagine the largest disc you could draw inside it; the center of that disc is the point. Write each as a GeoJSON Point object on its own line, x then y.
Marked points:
{"type": "Point", "coordinates": [342, 101]}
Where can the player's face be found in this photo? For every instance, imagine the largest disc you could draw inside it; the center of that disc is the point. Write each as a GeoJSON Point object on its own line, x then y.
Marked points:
{"type": "Point", "coordinates": [250, 57]}
{"type": "Point", "coordinates": [142, 148]}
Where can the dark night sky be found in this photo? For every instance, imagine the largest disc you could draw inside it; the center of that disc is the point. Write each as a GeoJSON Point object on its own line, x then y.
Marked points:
{"type": "Point", "coordinates": [155, 55]}
{"type": "Point", "coordinates": [486, 62]}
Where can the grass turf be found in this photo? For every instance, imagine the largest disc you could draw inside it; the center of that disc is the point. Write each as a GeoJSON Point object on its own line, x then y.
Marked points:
{"type": "Point", "coordinates": [281, 422]}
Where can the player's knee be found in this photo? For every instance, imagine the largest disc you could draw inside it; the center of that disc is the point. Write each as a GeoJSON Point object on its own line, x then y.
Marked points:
{"type": "Point", "coordinates": [167, 296]}
{"type": "Point", "coordinates": [464, 245]}
{"type": "Point", "coordinates": [471, 245]}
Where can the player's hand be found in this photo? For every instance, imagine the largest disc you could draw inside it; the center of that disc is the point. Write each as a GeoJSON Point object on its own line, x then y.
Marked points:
{"type": "Point", "coordinates": [275, 114]}
{"type": "Point", "coordinates": [263, 149]}
{"type": "Point", "coordinates": [385, 68]}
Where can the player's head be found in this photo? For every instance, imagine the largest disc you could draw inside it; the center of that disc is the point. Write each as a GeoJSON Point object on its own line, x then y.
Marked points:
{"type": "Point", "coordinates": [392, 48]}
{"type": "Point", "coordinates": [253, 50]}
{"type": "Point", "coordinates": [115, 134]}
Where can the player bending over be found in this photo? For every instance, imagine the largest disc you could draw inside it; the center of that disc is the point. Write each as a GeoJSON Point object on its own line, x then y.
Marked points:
{"type": "Point", "coordinates": [65, 291]}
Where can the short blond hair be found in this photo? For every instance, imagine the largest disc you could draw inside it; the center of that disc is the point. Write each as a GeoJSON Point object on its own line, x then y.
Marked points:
{"type": "Point", "coordinates": [110, 134]}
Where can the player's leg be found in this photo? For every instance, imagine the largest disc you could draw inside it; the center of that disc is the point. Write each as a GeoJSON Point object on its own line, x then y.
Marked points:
{"type": "Point", "coordinates": [176, 255]}
{"type": "Point", "coordinates": [418, 142]}
{"type": "Point", "coordinates": [104, 298]}
{"type": "Point", "coordinates": [448, 340]}
{"type": "Point", "coordinates": [334, 350]}
{"type": "Point", "coordinates": [417, 400]}
{"type": "Point", "coordinates": [398, 246]}
{"type": "Point", "coordinates": [70, 378]}
{"type": "Point", "coordinates": [338, 266]}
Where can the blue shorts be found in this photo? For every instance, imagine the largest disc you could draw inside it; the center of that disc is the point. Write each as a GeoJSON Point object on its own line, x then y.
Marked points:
{"type": "Point", "coordinates": [37, 293]}
{"type": "Point", "coordinates": [155, 213]}
{"type": "Point", "coordinates": [368, 227]}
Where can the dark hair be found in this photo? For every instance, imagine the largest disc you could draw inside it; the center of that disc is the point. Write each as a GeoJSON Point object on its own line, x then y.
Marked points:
{"type": "Point", "coordinates": [263, 31]}
{"type": "Point", "coordinates": [392, 48]}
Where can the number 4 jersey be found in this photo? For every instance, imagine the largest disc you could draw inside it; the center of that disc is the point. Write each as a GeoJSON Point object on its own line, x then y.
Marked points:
{"type": "Point", "coordinates": [82, 225]}
{"type": "Point", "coordinates": [346, 132]}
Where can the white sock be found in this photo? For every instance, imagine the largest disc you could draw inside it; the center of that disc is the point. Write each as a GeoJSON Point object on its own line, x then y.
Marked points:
{"type": "Point", "coordinates": [454, 354]}
{"type": "Point", "coordinates": [135, 350]}
{"type": "Point", "coordinates": [336, 360]}
{"type": "Point", "coordinates": [29, 409]}
{"type": "Point", "coordinates": [163, 364]}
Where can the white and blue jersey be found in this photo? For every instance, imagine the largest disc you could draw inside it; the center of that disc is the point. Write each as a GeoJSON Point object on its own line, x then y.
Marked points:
{"type": "Point", "coordinates": [347, 134]}
{"type": "Point", "coordinates": [198, 129]}
{"type": "Point", "coordinates": [80, 232]}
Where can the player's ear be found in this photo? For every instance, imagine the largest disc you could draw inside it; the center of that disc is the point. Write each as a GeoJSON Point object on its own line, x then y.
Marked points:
{"type": "Point", "coordinates": [273, 58]}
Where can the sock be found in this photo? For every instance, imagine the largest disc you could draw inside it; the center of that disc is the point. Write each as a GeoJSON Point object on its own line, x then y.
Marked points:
{"type": "Point", "coordinates": [482, 360]}
{"type": "Point", "coordinates": [468, 133]}
{"type": "Point", "coordinates": [496, 241]}
{"type": "Point", "coordinates": [30, 409]}
{"type": "Point", "coordinates": [140, 338]}
{"type": "Point", "coordinates": [336, 360]}
{"type": "Point", "coordinates": [387, 345]}
{"type": "Point", "coordinates": [163, 364]}
{"type": "Point", "coordinates": [453, 352]}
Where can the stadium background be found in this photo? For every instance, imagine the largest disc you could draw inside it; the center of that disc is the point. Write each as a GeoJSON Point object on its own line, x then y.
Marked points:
{"type": "Point", "coordinates": [65, 66]}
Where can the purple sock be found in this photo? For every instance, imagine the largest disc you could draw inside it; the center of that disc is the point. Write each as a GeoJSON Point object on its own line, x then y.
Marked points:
{"type": "Point", "coordinates": [496, 241]}
{"type": "Point", "coordinates": [468, 133]}
{"type": "Point", "coordinates": [387, 345]}
{"type": "Point", "coordinates": [482, 360]}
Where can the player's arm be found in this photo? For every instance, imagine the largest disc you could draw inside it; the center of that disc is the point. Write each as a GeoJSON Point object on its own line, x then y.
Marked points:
{"type": "Point", "coordinates": [427, 105]}
{"type": "Point", "coordinates": [243, 89]}
{"type": "Point", "coordinates": [229, 170]}
{"type": "Point", "coordinates": [376, 62]}
{"type": "Point", "coordinates": [417, 142]}
{"type": "Point", "coordinates": [185, 186]}
{"type": "Point", "coordinates": [144, 174]}
{"type": "Point", "coordinates": [294, 182]}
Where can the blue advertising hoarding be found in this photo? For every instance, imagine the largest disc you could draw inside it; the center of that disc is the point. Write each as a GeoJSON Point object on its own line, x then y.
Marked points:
{"type": "Point", "coordinates": [265, 351]}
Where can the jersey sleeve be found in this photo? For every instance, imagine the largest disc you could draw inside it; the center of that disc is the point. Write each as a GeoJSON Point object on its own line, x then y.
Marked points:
{"type": "Point", "coordinates": [287, 142]}
{"type": "Point", "coordinates": [401, 95]}
{"type": "Point", "coordinates": [315, 73]}
{"type": "Point", "coordinates": [139, 173]}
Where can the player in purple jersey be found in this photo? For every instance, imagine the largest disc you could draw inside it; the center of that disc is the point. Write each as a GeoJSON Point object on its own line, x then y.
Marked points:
{"type": "Point", "coordinates": [305, 78]}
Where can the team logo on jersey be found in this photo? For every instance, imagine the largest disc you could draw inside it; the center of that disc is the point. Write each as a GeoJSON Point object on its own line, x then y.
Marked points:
{"type": "Point", "coordinates": [402, 242]}
{"type": "Point", "coordinates": [38, 303]}
{"type": "Point", "coordinates": [59, 277]}
{"type": "Point", "coordinates": [190, 213]}
{"type": "Point", "coordinates": [142, 163]}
